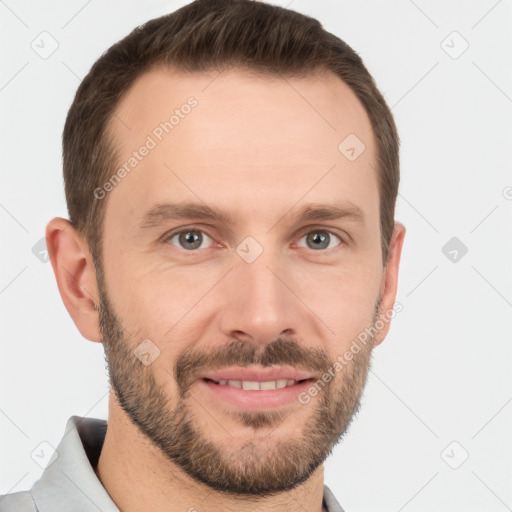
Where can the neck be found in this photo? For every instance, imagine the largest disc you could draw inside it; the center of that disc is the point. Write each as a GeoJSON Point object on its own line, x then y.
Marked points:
{"type": "Point", "coordinates": [139, 477]}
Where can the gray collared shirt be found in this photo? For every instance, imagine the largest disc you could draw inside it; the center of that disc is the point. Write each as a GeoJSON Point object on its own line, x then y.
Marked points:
{"type": "Point", "coordinates": [69, 482]}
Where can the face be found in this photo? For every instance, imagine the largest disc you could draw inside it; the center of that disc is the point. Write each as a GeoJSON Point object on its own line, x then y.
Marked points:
{"type": "Point", "coordinates": [241, 259]}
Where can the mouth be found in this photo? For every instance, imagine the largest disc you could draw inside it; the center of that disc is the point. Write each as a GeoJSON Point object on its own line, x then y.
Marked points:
{"type": "Point", "coordinates": [255, 389]}
{"type": "Point", "coordinates": [254, 385]}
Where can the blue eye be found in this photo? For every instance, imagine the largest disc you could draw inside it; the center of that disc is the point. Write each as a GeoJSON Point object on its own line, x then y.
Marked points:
{"type": "Point", "coordinates": [320, 239]}
{"type": "Point", "coordinates": [190, 239]}
{"type": "Point", "coordinates": [194, 239]}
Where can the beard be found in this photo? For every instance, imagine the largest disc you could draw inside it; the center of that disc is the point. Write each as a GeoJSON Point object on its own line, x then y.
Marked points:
{"type": "Point", "coordinates": [259, 467]}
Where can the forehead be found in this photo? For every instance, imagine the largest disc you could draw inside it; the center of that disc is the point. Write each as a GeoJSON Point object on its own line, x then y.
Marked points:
{"type": "Point", "coordinates": [227, 135]}
{"type": "Point", "coordinates": [232, 100]}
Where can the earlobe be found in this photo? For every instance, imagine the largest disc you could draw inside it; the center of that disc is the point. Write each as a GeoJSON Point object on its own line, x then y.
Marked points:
{"type": "Point", "coordinates": [390, 280]}
{"type": "Point", "coordinates": [75, 275]}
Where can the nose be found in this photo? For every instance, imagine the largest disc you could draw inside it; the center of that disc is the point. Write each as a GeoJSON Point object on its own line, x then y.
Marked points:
{"type": "Point", "coordinates": [259, 304]}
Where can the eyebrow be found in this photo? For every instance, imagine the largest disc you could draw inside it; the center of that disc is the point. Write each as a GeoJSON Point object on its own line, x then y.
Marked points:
{"type": "Point", "coordinates": [162, 213]}
{"type": "Point", "coordinates": [173, 211]}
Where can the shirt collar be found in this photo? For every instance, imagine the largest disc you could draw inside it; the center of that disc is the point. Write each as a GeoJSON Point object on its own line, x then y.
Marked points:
{"type": "Point", "coordinates": [70, 480]}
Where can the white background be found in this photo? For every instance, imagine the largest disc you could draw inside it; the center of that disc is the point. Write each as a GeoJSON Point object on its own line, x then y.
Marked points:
{"type": "Point", "coordinates": [444, 372]}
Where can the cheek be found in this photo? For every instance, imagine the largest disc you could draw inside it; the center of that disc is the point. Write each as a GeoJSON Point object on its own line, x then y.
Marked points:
{"type": "Point", "coordinates": [344, 300]}
{"type": "Point", "coordinates": [164, 302]}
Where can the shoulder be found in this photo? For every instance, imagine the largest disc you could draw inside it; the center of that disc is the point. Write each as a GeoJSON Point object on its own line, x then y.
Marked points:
{"type": "Point", "coordinates": [17, 502]}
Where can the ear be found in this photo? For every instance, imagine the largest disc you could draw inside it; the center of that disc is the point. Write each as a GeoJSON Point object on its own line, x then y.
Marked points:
{"type": "Point", "coordinates": [76, 276]}
{"type": "Point", "coordinates": [390, 280]}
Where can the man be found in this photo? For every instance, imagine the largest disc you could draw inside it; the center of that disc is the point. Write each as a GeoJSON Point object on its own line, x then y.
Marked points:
{"type": "Point", "coordinates": [231, 172]}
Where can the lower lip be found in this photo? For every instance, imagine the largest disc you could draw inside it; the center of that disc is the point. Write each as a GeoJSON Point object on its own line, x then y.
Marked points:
{"type": "Point", "coordinates": [253, 400]}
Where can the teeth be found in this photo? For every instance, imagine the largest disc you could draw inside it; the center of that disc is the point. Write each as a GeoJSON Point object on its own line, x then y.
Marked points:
{"type": "Point", "coordinates": [252, 385]}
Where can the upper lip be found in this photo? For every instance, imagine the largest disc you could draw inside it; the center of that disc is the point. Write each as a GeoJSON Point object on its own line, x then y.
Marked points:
{"type": "Point", "coordinates": [257, 374]}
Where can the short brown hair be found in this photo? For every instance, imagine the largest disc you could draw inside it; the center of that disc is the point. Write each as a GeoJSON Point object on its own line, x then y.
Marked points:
{"type": "Point", "coordinates": [201, 36]}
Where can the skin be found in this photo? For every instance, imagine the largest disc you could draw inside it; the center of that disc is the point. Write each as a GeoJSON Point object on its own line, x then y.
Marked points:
{"type": "Point", "coordinates": [260, 149]}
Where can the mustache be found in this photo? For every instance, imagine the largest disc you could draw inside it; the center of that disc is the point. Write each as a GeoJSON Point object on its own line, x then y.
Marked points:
{"type": "Point", "coordinates": [280, 352]}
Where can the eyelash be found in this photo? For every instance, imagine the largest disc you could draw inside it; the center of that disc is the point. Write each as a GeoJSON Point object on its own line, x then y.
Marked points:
{"type": "Point", "coordinates": [168, 237]}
